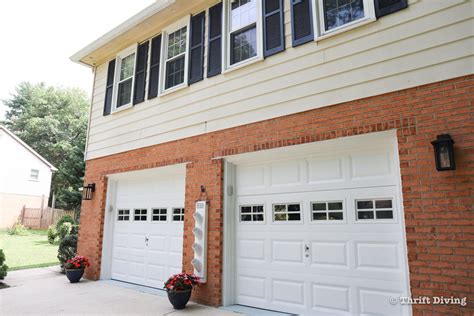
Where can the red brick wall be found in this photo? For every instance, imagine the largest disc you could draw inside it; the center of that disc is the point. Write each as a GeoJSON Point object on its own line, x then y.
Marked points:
{"type": "Point", "coordinates": [439, 206]}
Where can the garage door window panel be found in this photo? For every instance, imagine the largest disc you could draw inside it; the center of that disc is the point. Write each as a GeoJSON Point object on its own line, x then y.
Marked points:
{"type": "Point", "coordinates": [123, 215]}
{"type": "Point", "coordinates": [380, 209]}
{"type": "Point", "coordinates": [159, 215]}
{"type": "Point", "coordinates": [252, 213]}
{"type": "Point", "coordinates": [327, 211]}
{"type": "Point", "coordinates": [140, 215]}
{"type": "Point", "coordinates": [287, 212]}
{"type": "Point", "coordinates": [178, 214]}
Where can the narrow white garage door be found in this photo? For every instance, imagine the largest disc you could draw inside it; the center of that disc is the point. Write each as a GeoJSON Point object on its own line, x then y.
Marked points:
{"type": "Point", "coordinates": [148, 228]}
{"type": "Point", "coordinates": [322, 233]}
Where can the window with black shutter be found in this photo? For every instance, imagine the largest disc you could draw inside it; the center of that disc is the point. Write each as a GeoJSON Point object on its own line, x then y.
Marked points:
{"type": "Point", "coordinates": [140, 73]}
{"type": "Point", "coordinates": [196, 49]}
{"type": "Point", "coordinates": [301, 22]}
{"type": "Point", "coordinates": [155, 61]}
{"type": "Point", "coordinates": [273, 27]}
{"type": "Point", "coordinates": [214, 63]}
{"type": "Point", "coordinates": [386, 7]}
{"type": "Point", "coordinates": [109, 89]}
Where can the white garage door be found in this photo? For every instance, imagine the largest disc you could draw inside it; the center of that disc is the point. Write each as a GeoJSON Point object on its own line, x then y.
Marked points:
{"type": "Point", "coordinates": [322, 233]}
{"type": "Point", "coordinates": [148, 228]}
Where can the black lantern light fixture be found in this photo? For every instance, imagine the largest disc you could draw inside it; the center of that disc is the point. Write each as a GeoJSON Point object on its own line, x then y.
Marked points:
{"type": "Point", "coordinates": [444, 152]}
{"type": "Point", "coordinates": [88, 191]}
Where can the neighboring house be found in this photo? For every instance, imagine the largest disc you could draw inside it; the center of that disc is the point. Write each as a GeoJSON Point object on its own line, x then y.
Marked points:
{"type": "Point", "coordinates": [25, 178]}
{"type": "Point", "coordinates": [306, 125]}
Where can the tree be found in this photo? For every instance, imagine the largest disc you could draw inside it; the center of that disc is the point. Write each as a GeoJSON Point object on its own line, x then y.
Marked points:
{"type": "Point", "coordinates": [3, 267]}
{"type": "Point", "coordinates": [53, 121]}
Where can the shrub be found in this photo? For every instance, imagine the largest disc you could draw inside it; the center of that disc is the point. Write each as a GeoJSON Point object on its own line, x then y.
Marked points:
{"type": "Point", "coordinates": [64, 230]}
{"type": "Point", "coordinates": [3, 267]}
{"type": "Point", "coordinates": [67, 249]}
{"type": "Point", "coordinates": [52, 234]}
{"type": "Point", "coordinates": [65, 219]}
{"type": "Point", "coordinates": [18, 230]}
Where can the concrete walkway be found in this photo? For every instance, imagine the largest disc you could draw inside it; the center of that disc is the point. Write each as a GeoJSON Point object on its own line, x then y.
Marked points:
{"type": "Point", "coordinates": [46, 292]}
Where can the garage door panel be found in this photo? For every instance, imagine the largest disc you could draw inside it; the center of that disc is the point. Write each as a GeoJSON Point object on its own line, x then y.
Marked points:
{"type": "Point", "coordinates": [148, 251]}
{"type": "Point", "coordinates": [346, 255]}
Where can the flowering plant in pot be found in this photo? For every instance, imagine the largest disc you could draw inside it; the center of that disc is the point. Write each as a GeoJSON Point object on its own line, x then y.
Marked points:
{"type": "Point", "coordinates": [75, 268]}
{"type": "Point", "coordinates": [179, 288]}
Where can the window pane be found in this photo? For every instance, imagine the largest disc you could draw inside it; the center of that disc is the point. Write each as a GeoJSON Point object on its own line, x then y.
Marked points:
{"type": "Point", "coordinates": [258, 209]}
{"type": "Point", "coordinates": [335, 216]}
{"type": "Point", "coordinates": [293, 208]}
{"type": "Point", "coordinates": [383, 204]}
{"type": "Point", "coordinates": [365, 204]}
{"type": "Point", "coordinates": [319, 216]}
{"type": "Point", "coordinates": [319, 206]}
{"type": "Point", "coordinates": [126, 68]}
{"type": "Point", "coordinates": [258, 217]}
{"type": "Point", "coordinates": [124, 93]}
{"type": "Point", "coordinates": [177, 43]}
{"type": "Point", "coordinates": [340, 12]}
{"type": "Point", "coordinates": [294, 216]}
{"type": "Point", "coordinates": [335, 206]}
{"type": "Point", "coordinates": [279, 207]}
{"type": "Point", "coordinates": [243, 45]}
{"type": "Point", "coordinates": [280, 217]}
{"type": "Point", "coordinates": [246, 209]}
{"type": "Point", "coordinates": [384, 214]}
{"type": "Point", "coordinates": [246, 218]}
{"type": "Point", "coordinates": [365, 215]}
{"type": "Point", "coordinates": [174, 72]}
{"type": "Point", "coordinates": [244, 13]}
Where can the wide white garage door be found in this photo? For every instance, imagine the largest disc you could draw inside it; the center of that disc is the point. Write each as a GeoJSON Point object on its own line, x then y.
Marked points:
{"type": "Point", "coordinates": [147, 241]}
{"type": "Point", "coordinates": [321, 231]}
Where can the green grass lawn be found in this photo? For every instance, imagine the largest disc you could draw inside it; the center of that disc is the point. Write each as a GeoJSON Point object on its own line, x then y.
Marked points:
{"type": "Point", "coordinates": [26, 252]}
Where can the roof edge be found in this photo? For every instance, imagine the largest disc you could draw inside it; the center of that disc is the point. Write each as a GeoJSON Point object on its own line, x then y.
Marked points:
{"type": "Point", "coordinates": [53, 168]}
{"type": "Point", "coordinates": [122, 28]}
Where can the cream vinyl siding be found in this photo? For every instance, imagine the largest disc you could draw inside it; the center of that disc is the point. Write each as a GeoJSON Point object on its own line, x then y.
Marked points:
{"type": "Point", "coordinates": [428, 42]}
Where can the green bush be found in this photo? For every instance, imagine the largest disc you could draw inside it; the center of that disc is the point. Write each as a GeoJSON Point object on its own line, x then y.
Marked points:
{"type": "Point", "coordinates": [52, 234]}
{"type": "Point", "coordinates": [65, 219]}
{"type": "Point", "coordinates": [64, 230]}
{"type": "Point", "coordinates": [67, 249]}
{"type": "Point", "coordinates": [18, 230]}
{"type": "Point", "coordinates": [3, 267]}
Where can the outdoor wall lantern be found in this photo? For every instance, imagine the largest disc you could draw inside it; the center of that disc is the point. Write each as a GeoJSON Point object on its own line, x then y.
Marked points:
{"type": "Point", "coordinates": [444, 152]}
{"type": "Point", "coordinates": [88, 191]}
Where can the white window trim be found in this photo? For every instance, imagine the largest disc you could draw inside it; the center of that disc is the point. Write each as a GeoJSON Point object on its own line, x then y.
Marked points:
{"type": "Point", "coordinates": [375, 220]}
{"type": "Point", "coordinates": [318, 20]}
{"type": "Point", "coordinates": [125, 53]}
{"type": "Point", "coordinates": [172, 214]}
{"type": "Point", "coordinates": [327, 221]}
{"type": "Point", "coordinates": [227, 67]}
{"type": "Point", "coordinates": [184, 22]}
{"type": "Point", "coordinates": [301, 212]}
{"type": "Point", "coordinates": [252, 222]}
{"type": "Point", "coordinates": [159, 221]}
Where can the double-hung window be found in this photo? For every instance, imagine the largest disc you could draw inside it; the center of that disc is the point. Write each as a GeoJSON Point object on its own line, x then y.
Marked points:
{"type": "Point", "coordinates": [335, 15]}
{"type": "Point", "coordinates": [243, 31]}
{"type": "Point", "coordinates": [175, 68]}
{"type": "Point", "coordinates": [124, 77]}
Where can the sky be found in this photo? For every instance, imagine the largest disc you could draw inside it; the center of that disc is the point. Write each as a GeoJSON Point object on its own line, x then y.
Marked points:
{"type": "Point", "coordinates": [39, 36]}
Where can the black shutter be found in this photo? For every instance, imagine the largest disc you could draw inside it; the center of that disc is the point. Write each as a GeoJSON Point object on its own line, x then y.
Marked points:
{"type": "Point", "coordinates": [109, 88]}
{"type": "Point", "coordinates": [386, 7]}
{"type": "Point", "coordinates": [273, 27]}
{"type": "Point", "coordinates": [214, 64]}
{"type": "Point", "coordinates": [196, 48]}
{"type": "Point", "coordinates": [301, 22]}
{"type": "Point", "coordinates": [140, 73]}
{"type": "Point", "coordinates": [155, 58]}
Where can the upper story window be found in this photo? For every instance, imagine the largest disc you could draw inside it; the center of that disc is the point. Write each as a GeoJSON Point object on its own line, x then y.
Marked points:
{"type": "Point", "coordinates": [338, 14]}
{"type": "Point", "coordinates": [176, 55]}
{"type": "Point", "coordinates": [34, 174]}
{"type": "Point", "coordinates": [243, 31]}
{"type": "Point", "coordinates": [124, 76]}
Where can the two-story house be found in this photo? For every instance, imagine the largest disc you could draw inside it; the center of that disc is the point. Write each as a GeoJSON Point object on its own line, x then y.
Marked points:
{"type": "Point", "coordinates": [25, 178]}
{"type": "Point", "coordinates": [306, 127]}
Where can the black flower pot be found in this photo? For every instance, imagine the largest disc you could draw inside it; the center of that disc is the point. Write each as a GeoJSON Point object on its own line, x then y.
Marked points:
{"type": "Point", "coordinates": [74, 275]}
{"type": "Point", "coordinates": [179, 299]}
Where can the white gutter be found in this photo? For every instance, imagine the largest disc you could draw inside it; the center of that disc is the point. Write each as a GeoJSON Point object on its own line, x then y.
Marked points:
{"type": "Point", "coordinates": [126, 26]}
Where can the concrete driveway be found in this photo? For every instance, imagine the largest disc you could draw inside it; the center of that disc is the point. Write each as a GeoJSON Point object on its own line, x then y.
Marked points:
{"type": "Point", "coordinates": [45, 292]}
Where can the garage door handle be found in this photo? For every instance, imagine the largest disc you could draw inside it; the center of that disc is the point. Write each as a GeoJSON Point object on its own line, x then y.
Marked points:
{"type": "Point", "coordinates": [306, 251]}
{"type": "Point", "coordinates": [146, 241]}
